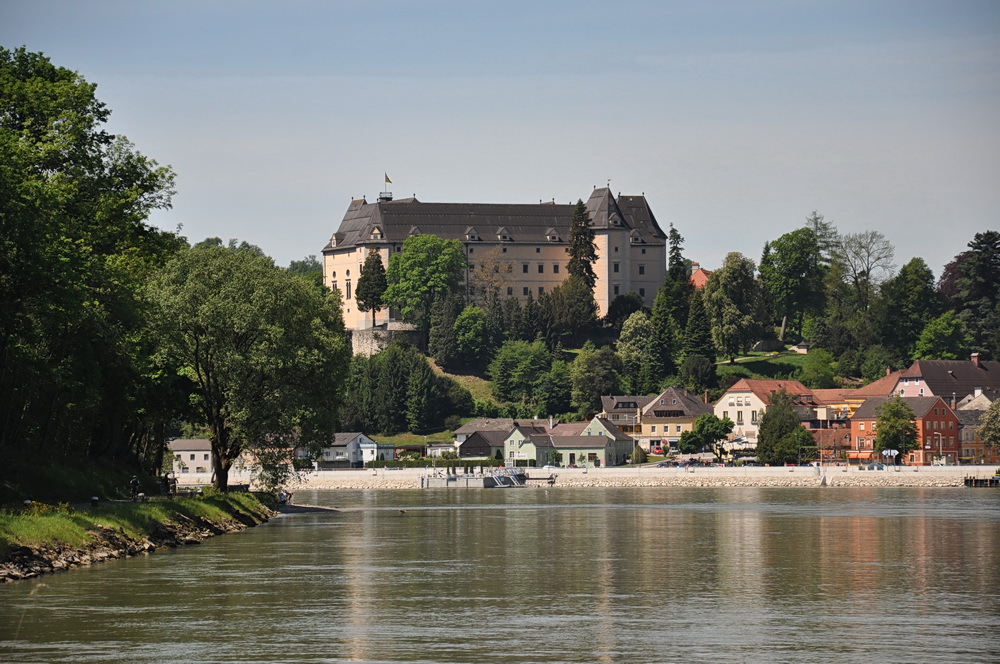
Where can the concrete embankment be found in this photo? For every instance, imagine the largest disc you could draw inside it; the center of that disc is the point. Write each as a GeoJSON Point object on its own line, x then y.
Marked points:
{"type": "Point", "coordinates": [904, 476]}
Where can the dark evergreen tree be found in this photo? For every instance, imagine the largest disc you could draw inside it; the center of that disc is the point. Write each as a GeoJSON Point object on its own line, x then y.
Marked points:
{"type": "Point", "coordinates": [371, 284]}
{"type": "Point", "coordinates": [441, 343]}
{"type": "Point", "coordinates": [779, 437]}
{"type": "Point", "coordinates": [575, 309]}
{"type": "Point", "coordinates": [664, 338]}
{"type": "Point", "coordinates": [582, 249]}
{"type": "Point", "coordinates": [906, 304]}
{"type": "Point", "coordinates": [698, 334]}
{"type": "Point", "coordinates": [513, 321]}
{"type": "Point", "coordinates": [621, 308]}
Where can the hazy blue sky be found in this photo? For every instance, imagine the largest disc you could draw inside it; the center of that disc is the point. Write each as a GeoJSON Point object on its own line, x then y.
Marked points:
{"type": "Point", "coordinates": [736, 119]}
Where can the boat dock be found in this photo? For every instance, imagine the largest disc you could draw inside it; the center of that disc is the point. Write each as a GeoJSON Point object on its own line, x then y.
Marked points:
{"type": "Point", "coordinates": [987, 481]}
{"type": "Point", "coordinates": [498, 478]}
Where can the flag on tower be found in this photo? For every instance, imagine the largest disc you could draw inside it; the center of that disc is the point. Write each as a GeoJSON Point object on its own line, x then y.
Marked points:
{"type": "Point", "coordinates": [387, 180]}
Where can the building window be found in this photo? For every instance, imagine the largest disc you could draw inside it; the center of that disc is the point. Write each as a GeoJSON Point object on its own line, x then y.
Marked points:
{"type": "Point", "coordinates": [538, 250]}
{"type": "Point", "coordinates": [753, 417]}
{"type": "Point", "coordinates": [192, 457]}
{"type": "Point", "coordinates": [643, 251]}
{"type": "Point", "coordinates": [205, 457]}
{"type": "Point", "coordinates": [642, 292]}
{"type": "Point", "coordinates": [510, 291]}
{"type": "Point", "coordinates": [739, 417]}
{"type": "Point", "coordinates": [524, 268]}
{"type": "Point", "coordinates": [555, 269]}
{"type": "Point", "coordinates": [652, 429]}
{"type": "Point", "coordinates": [614, 267]}
{"type": "Point", "coordinates": [348, 287]}
{"type": "Point", "coordinates": [616, 250]}
{"type": "Point", "coordinates": [725, 414]}
{"type": "Point", "coordinates": [861, 426]}
{"type": "Point", "coordinates": [541, 289]}
{"type": "Point", "coordinates": [616, 290]}
{"type": "Point", "coordinates": [541, 269]}
{"type": "Point", "coordinates": [642, 269]}
{"type": "Point", "coordinates": [524, 291]}
{"type": "Point", "coordinates": [504, 250]}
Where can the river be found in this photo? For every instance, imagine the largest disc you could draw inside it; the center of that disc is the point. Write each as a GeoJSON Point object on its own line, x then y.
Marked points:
{"type": "Point", "coordinates": [548, 575]}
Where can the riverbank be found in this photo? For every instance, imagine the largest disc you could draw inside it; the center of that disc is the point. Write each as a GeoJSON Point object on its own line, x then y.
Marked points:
{"type": "Point", "coordinates": [650, 476]}
{"type": "Point", "coordinates": [44, 538]}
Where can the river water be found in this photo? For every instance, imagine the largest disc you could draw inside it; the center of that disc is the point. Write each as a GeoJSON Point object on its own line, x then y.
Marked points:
{"type": "Point", "coordinates": [548, 575]}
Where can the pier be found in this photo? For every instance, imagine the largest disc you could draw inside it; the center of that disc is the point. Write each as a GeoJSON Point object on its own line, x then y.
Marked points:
{"type": "Point", "coordinates": [974, 481]}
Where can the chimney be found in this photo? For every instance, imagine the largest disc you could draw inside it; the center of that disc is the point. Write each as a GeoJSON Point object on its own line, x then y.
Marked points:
{"type": "Point", "coordinates": [975, 360]}
{"type": "Point", "coordinates": [888, 370]}
{"type": "Point", "coordinates": [705, 398]}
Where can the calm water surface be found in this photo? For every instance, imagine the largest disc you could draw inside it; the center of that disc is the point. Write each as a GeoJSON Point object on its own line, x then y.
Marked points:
{"type": "Point", "coordinates": [548, 575]}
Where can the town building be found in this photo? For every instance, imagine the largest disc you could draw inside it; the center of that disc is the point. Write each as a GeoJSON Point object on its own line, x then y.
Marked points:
{"type": "Point", "coordinates": [950, 379]}
{"type": "Point", "coordinates": [937, 432]}
{"type": "Point", "coordinates": [191, 455]}
{"type": "Point", "coordinates": [657, 421]}
{"type": "Point", "coordinates": [529, 241]}
{"type": "Point", "coordinates": [748, 399]}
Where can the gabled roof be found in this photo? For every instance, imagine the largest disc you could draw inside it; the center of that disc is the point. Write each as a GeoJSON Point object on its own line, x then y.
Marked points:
{"type": "Point", "coordinates": [882, 387]}
{"type": "Point", "coordinates": [612, 429]}
{"type": "Point", "coordinates": [569, 428]}
{"type": "Point", "coordinates": [959, 377]}
{"type": "Point", "coordinates": [763, 389]}
{"type": "Point", "coordinates": [491, 438]}
{"type": "Point", "coordinates": [504, 424]}
{"type": "Point", "coordinates": [920, 405]}
{"type": "Point", "coordinates": [675, 399]}
{"type": "Point", "coordinates": [599, 442]}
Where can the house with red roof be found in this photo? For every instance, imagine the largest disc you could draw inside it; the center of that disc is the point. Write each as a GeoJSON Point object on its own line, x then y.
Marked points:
{"type": "Point", "coordinates": [749, 398]}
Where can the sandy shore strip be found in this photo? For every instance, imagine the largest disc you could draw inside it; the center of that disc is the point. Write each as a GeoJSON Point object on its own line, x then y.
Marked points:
{"type": "Point", "coordinates": [650, 476]}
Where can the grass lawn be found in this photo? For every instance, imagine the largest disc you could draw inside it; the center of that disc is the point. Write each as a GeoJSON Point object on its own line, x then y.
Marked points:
{"type": "Point", "coordinates": [766, 366]}
{"type": "Point", "coordinates": [49, 524]}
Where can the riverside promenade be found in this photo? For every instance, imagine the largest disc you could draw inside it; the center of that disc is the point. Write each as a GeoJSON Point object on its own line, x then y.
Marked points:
{"type": "Point", "coordinates": [650, 476]}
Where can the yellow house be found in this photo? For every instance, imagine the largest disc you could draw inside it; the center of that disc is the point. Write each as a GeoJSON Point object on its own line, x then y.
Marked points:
{"type": "Point", "coordinates": [527, 243]}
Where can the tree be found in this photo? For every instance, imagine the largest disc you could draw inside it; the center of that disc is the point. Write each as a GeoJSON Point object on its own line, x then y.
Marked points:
{"type": "Point", "coordinates": [943, 338]}
{"type": "Point", "coordinates": [817, 370]}
{"type": "Point", "coordinates": [372, 284]}
{"type": "Point", "coordinates": [470, 338]}
{"type": "Point", "coordinates": [517, 369]}
{"type": "Point", "coordinates": [442, 343]}
{"type": "Point", "coordinates": [493, 274]}
{"type": "Point", "coordinates": [574, 309]}
{"type": "Point", "coordinates": [664, 338]}
{"type": "Point", "coordinates": [895, 427]}
{"type": "Point", "coordinates": [698, 333]}
{"type": "Point", "coordinates": [778, 437]}
{"type": "Point", "coordinates": [582, 249]}
{"type": "Point", "coordinates": [75, 251]}
{"type": "Point", "coordinates": [906, 303]}
{"type": "Point", "coordinates": [791, 274]}
{"type": "Point", "coordinates": [594, 373]}
{"type": "Point", "coordinates": [732, 299]}
{"type": "Point", "coordinates": [266, 351]}
{"type": "Point", "coordinates": [827, 237]}
{"type": "Point", "coordinates": [427, 266]}
{"type": "Point", "coordinates": [698, 373]}
{"type": "Point", "coordinates": [635, 351]}
{"type": "Point", "coordinates": [867, 259]}
{"type": "Point", "coordinates": [677, 288]}
{"type": "Point", "coordinates": [707, 432]}
{"type": "Point", "coordinates": [309, 268]}
{"type": "Point", "coordinates": [978, 293]}
{"type": "Point", "coordinates": [639, 456]}
{"type": "Point", "coordinates": [989, 425]}
{"type": "Point", "coordinates": [621, 308]}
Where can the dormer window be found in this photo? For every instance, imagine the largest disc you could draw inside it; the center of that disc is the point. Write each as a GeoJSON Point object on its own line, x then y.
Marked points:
{"type": "Point", "coordinates": [635, 238]}
{"type": "Point", "coordinates": [503, 234]}
{"type": "Point", "coordinates": [616, 220]}
{"type": "Point", "coordinates": [376, 234]}
{"type": "Point", "coordinates": [552, 235]}
{"type": "Point", "coordinates": [471, 234]}
{"type": "Point", "coordinates": [414, 230]}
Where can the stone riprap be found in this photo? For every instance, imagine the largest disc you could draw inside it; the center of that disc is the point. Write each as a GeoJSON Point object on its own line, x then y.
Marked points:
{"type": "Point", "coordinates": [647, 476]}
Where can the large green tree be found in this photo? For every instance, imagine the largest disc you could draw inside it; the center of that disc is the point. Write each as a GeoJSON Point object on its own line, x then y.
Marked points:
{"type": "Point", "coordinates": [372, 284]}
{"type": "Point", "coordinates": [781, 437]}
{"type": "Point", "coordinates": [636, 351]}
{"type": "Point", "coordinates": [595, 372]}
{"type": "Point", "coordinates": [427, 266]}
{"type": "Point", "coordinates": [266, 351]}
{"type": "Point", "coordinates": [895, 427]}
{"type": "Point", "coordinates": [582, 249]}
{"type": "Point", "coordinates": [75, 250]}
{"type": "Point", "coordinates": [791, 274]}
{"type": "Point", "coordinates": [707, 432]}
{"type": "Point", "coordinates": [906, 304]}
{"type": "Point", "coordinates": [732, 298]}
{"type": "Point", "coordinates": [989, 426]}
{"type": "Point", "coordinates": [943, 338]}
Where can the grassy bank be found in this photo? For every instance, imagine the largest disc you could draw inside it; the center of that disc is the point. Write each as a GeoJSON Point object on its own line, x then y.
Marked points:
{"type": "Point", "coordinates": [62, 525]}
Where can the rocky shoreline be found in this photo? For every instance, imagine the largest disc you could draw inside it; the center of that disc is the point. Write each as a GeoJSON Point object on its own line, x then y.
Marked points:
{"type": "Point", "coordinates": [24, 562]}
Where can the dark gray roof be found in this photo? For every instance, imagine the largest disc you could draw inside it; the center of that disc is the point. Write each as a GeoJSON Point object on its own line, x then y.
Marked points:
{"type": "Point", "coordinates": [970, 418]}
{"type": "Point", "coordinates": [920, 406]}
{"type": "Point", "coordinates": [524, 223]}
{"type": "Point", "coordinates": [689, 405]}
{"type": "Point", "coordinates": [612, 428]}
{"type": "Point", "coordinates": [624, 404]}
{"type": "Point", "coordinates": [959, 377]}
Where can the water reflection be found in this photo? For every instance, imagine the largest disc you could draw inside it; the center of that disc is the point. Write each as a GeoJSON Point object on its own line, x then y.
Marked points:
{"type": "Point", "coordinates": [605, 575]}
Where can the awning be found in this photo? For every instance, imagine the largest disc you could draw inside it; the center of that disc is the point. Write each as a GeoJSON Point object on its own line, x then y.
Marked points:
{"type": "Point", "coordinates": [859, 455]}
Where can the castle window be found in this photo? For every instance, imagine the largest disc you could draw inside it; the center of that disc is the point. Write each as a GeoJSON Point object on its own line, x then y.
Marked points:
{"type": "Point", "coordinates": [642, 269]}
{"type": "Point", "coordinates": [510, 291]}
{"type": "Point", "coordinates": [524, 268]}
{"type": "Point", "coordinates": [524, 291]}
{"type": "Point", "coordinates": [642, 292]}
{"type": "Point", "coordinates": [614, 267]}
{"type": "Point", "coordinates": [541, 269]}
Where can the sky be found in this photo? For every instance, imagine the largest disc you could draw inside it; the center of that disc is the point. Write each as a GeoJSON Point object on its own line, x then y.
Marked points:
{"type": "Point", "coordinates": [736, 120]}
